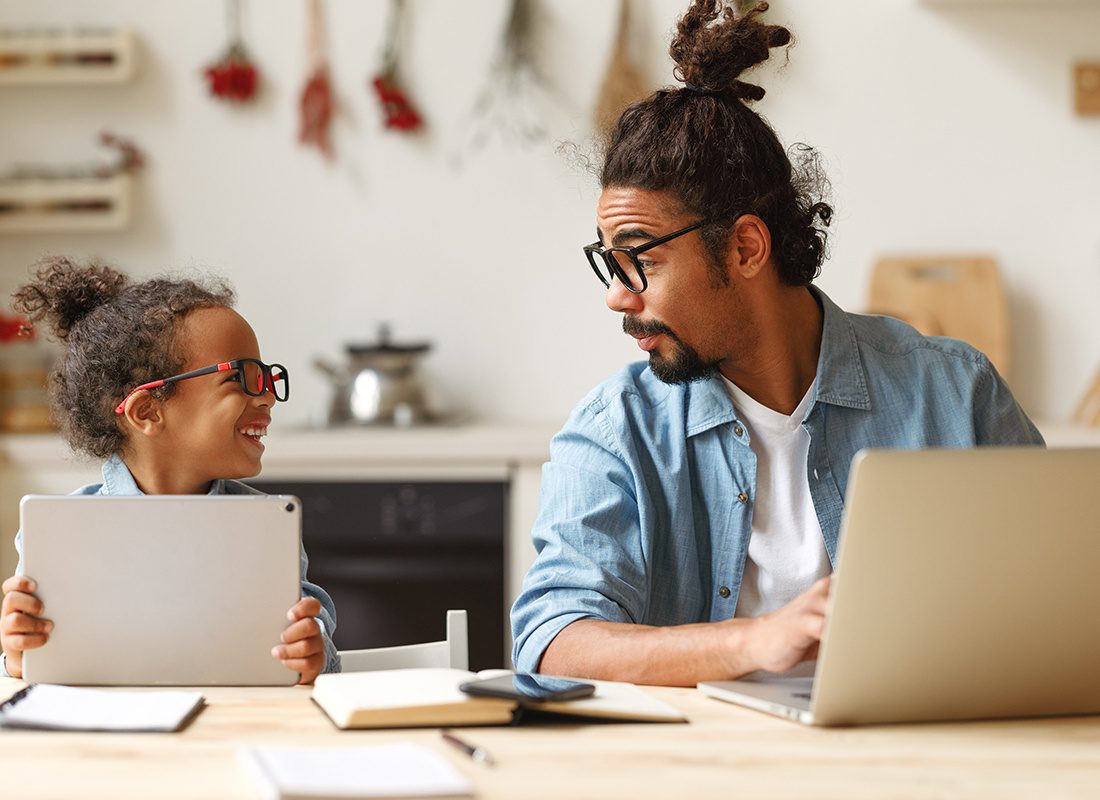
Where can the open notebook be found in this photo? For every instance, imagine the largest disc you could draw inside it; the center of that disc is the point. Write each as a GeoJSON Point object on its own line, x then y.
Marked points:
{"type": "Point", "coordinates": [406, 698]}
{"type": "Point", "coordinates": [64, 708]}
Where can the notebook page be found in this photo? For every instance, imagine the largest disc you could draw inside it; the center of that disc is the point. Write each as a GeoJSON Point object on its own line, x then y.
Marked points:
{"type": "Point", "coordinates": [51, 707]}
{"type": "Point", "coordinates": [402, 769]}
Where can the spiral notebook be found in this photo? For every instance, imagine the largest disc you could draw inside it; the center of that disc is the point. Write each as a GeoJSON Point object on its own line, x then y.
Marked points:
{"type": "Point", "coordinates": [44, 706]}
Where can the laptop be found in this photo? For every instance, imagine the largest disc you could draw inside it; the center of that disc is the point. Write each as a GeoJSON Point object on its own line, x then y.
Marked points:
{"type": "Point", "coordinates": [184, 590]}
{"type": "Point", "coordinates": [967, 587]}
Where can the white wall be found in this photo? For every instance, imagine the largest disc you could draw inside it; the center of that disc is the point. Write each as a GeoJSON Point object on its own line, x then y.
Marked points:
{"type": "Point", "coordinates": [944, 129]}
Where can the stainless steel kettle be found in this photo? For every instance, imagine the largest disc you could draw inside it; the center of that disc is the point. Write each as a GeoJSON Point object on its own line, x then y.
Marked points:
{"type": "Point", "coordinates": [379, 384]}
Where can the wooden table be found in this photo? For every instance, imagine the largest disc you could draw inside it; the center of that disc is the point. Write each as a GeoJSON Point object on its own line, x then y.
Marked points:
{"type": "Point", "coordinates": [725, 751]}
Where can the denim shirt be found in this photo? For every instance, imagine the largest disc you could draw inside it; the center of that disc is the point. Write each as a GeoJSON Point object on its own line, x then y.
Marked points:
{"type": "Point", "coordinates": [117, 481]}
{"type": "Point", "coordinates": [647, 500]}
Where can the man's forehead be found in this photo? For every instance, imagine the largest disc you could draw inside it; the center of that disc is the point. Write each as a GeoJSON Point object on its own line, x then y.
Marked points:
{"type": "Point", "coordinates": [618, 206]}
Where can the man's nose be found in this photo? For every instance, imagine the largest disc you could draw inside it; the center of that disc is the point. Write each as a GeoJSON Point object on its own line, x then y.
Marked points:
{"type": "Point", "coordinates": [619, 299]}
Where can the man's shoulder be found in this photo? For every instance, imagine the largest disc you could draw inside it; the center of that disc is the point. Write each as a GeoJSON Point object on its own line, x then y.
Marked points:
{"type": "Point", "coordinates": [893, 339]}
{"type": "Point", "coordinates": [633, 388]}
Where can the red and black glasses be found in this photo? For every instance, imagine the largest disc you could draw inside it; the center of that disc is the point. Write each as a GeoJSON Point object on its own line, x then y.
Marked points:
{"type": "Point", "coordinates": [256, 378]}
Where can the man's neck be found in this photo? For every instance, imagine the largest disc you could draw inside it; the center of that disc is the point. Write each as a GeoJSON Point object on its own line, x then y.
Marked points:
{"type": "Point", "coordinates": [784, 363]}
{"type": "Point", "coordinates": [152, 478]}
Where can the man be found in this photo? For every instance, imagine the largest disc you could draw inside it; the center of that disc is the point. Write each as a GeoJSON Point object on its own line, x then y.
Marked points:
{"type": "Point", "coordinates": [691, 507]}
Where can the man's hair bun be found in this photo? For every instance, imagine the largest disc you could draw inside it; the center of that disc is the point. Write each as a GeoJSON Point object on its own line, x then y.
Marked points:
{"type": "Point", "coordinates": [64, 292]}
{"type": "Point", "coordinates": [715, 43]}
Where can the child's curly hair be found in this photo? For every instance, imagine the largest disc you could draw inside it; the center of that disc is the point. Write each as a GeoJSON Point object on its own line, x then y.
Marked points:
{"type": "Point", "coordinates": [116, 335]}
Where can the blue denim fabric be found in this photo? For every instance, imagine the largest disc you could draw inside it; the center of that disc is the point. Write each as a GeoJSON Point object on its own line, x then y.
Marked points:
{"type": "Point", "coordinates": [641, 518]}
{"type": "Point", "coordinates": [117, 481]}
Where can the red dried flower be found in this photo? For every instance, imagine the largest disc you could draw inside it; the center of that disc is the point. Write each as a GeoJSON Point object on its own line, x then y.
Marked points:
{"type": "Point", "coordinates": [234, 77]}
{"type": "Point", "coordinates": [398, 109]}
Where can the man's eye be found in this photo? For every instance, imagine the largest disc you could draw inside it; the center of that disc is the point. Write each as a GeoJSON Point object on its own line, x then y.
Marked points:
{"type": "Point", "coordinates": [235, 376]}
{"type": "Point", "coordinates": [645, 264]}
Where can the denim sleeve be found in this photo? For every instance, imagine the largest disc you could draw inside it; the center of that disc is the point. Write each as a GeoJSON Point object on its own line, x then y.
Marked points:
{"type": "Point", "coordinates": [590, 560]}
{"type": "Point", "coordinates": [326, 619]}
{"type": "Point", "coordinates": [998, 418]}
{"type": "Point", "coordinates": [18, 571]}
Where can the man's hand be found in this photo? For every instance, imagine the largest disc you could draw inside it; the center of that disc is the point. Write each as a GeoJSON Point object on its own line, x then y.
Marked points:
{"type": "Point", "coordinates": [21, 624]}
{"type": "Point", "coordinates": [303, 648]}
{"type": "Point", "coordinates": [783, 639]}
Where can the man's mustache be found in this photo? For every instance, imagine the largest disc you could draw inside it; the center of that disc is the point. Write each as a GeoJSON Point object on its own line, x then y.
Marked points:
{"type": "Point", "coordinates": [633, 326]}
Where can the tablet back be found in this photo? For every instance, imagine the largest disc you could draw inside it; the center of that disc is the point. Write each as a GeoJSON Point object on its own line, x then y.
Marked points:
{"type": "Point", "coordinates": [185, 590]}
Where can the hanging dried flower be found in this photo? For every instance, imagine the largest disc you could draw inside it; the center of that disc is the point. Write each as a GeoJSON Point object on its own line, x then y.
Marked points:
{"type": "Point", "coordinates": [397, 109]}
{"type": "Point", "coordinates": [507, 105]}
{"type": "Point", "coordinates": [316, 103]}
{"type": "Point", "coordinates": [12, 328]}
{"type": "Point", "coordinates": [234, 76]}
{"type": "Point", "coordinates": [623, 83]}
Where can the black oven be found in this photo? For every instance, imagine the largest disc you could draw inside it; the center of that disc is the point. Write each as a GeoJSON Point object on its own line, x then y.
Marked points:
{"type": "Point", "coordinates": [396, 555]}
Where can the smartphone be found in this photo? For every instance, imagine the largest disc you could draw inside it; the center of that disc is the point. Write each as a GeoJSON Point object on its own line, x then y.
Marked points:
{"type": "Point", "coordinates": [528, 688]}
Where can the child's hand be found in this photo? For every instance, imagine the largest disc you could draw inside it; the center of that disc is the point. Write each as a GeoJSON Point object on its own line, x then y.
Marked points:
{"type": "Point", "coordinates": [303, 648]}
{"type": "Point", "coordinates": [21, 625]}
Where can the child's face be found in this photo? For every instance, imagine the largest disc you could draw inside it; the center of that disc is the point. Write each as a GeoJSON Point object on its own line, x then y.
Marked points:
{"type": "Point", "coordinates": [212, 428]}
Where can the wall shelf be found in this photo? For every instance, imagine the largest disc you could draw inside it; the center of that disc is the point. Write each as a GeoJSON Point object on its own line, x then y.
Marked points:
{"type": "Point", "coordinates": [38, 205]}
{"type": "Point", "coordinates": [66, 58]}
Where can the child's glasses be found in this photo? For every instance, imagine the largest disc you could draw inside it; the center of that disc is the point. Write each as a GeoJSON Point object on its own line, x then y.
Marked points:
{"type": "Point", "coordinates": [256, 377]}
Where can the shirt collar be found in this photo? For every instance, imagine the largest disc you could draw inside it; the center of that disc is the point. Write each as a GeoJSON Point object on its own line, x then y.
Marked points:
{"type": "Point", "coordinates": [841, 379]}
{"type": "Point", "coordinates": [119, 481]}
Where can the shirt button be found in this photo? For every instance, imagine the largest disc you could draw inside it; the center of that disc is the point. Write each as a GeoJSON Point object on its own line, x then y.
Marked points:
{"type": "Point", "coordinates": [738, 430]}
{"type": "Point", "coordinates": [742, 498]}
{"type": "Point", "coordinates": [724, 592]}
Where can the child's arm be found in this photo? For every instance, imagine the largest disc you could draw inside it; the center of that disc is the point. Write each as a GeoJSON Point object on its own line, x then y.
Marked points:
{"type": "Point", "coordinates": [21, 625]}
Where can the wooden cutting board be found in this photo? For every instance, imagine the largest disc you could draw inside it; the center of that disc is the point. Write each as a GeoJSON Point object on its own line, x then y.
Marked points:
{"type": "Point", "coordinates": [957, 296]}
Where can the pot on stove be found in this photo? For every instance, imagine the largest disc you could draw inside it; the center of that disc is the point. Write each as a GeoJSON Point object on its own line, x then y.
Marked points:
{"type": "Point", "coordinates": [379, 384]}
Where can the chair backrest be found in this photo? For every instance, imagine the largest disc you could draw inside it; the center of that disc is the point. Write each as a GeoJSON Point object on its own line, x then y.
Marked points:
{"type": "Point", "coordinates": [453, 652]}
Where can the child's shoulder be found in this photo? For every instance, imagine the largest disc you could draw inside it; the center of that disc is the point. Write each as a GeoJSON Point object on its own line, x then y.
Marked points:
{"type": "Point", "coordinates": [236, 487]}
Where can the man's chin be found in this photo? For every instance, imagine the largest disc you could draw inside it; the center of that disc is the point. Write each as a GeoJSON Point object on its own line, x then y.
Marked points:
{"type": "Point", "coordinates": [680, 370]}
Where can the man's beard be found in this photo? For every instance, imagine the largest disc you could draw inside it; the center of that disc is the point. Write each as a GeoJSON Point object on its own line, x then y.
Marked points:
{"type": "Point", "coordinates": [683, 365]}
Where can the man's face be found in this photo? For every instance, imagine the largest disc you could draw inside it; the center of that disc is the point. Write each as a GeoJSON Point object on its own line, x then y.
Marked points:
{"type": "Point", "coordinates": [685, 318]}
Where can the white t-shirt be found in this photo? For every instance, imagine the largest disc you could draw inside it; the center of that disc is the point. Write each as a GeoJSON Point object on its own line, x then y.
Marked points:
{"type": "Point", "coordinates": [786, 548]}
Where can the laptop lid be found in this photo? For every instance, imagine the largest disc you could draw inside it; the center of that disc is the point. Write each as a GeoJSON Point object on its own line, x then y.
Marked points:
{"type": "Point", "coordinates": [966, 588]}
{"type": "Point", "coordinates": [162, 590]}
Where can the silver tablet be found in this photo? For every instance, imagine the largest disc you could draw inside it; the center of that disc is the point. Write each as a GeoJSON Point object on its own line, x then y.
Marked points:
{"type": "Point", "coordinates": [162, 590]}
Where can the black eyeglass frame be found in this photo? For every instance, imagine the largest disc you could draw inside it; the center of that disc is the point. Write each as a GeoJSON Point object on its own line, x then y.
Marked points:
{"type": "Point", "coordinates": [267, 382]}
{"type": "Point", "coordinates": [613, 267]}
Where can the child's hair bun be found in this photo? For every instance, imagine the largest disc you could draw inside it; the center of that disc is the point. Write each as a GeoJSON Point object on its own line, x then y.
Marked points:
{"type": "Point", "coordinates": [63, 292]}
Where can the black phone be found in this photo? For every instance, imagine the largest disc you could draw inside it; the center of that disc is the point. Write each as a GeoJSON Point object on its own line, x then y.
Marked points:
{"type": "Point", "coordinates": [526, 687]}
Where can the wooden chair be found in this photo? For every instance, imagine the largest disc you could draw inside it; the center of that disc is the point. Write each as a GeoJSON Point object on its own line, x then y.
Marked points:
{"type": "Point", "coordinates": [453, 652]}
{"type": "Point", "coordinates": [1088, 410]}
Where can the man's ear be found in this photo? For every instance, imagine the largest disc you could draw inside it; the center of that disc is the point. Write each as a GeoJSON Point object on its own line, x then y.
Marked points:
{"type": "Point", "coordinates": [750, 246]}
{"type": "Point", "coordinates": [142, 414]}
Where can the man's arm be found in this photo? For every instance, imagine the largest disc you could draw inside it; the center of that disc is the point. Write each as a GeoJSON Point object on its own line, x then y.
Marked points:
{"type": "Point", "coordinates": [998, 418]}
{"type": "Point", "coordinates": [683, 655]}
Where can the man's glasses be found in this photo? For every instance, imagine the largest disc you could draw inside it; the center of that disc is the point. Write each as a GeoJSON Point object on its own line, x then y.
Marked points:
{"type": "Point", "coordinates": [623, 263]}
{"type": "Point", "coordinates": [256, 377]}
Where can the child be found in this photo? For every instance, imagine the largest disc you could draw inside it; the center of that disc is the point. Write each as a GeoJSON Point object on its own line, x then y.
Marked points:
{"type": "Point", "coordinates": [163, 380]}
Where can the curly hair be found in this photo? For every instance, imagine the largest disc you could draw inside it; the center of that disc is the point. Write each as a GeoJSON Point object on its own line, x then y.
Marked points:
{"type": "Point", "coordinates": [116, 335]}
{"type": "Point", "coordinates": [705, 146]}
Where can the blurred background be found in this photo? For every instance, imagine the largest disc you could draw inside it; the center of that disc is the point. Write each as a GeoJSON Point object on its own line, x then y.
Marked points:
{"type": "Point", "coordinates": [957, 133]}
{"type": "Point", "coordinates": [945, 128]}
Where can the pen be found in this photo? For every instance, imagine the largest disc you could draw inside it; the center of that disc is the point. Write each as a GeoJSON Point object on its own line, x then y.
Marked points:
{"type": "Point", "coordinates": [476, 753]}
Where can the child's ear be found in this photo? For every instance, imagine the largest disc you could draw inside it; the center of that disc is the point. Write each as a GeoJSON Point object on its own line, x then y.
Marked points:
{"type": "Point", "coordinates": [142, 414]}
